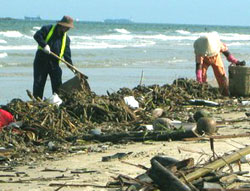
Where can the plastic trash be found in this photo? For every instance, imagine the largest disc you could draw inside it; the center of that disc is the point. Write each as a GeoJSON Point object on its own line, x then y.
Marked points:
{"type": "Point", "coordinates": [54, 99]}
{"type": "Point", "coordinates": [131, 102]}
{"type": "Point", "coordinates": [203, 102]}
{"type": "Point", "coordinates": [245, 102]}
{"type": "Point", "coordinates": [161, 124]}
{"type": "Point", "coordinates": [95, 131]}
{"type": "Point", "coordinates": [245, 159]}
{"type": "Point", "coordinates": [52, 146]}
{"type": "Point", "coordinates": [175, 122]}
{"type": "Point", "coordinates": [149, 127]}
{"type": "Point", "coordinates": [16, 124]}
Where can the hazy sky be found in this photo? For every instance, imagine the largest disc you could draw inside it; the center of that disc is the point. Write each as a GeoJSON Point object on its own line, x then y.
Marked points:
{"type": "Point", "coordinates": [212, 12]}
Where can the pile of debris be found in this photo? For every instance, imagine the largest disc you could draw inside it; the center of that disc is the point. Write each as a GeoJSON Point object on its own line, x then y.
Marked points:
{"type": "Point", "coordinates": [81, 112]}
{"type": "Point", "coordinates": [169, 174]}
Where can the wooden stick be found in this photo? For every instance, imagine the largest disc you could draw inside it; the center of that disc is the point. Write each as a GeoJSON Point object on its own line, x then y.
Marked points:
{"type": "Point", "coordinates": [192, 151]}
{"type": "Point", "coordinates": [142, 75]}
{"type": "Point", "coordinates": [165, 179]}
{"type": "Point", "coordinates": [73, 68]}
{"type": "Point", "coordinates": [217, 137]}
{"type": "Point", "coordinates": [212, 146]}
{"type": "Point", "coordinates": [217, 164]}
{"type": "Point", "coordinates": [77, 185]}
{"type": "Point", "coordinates": [138, 166]}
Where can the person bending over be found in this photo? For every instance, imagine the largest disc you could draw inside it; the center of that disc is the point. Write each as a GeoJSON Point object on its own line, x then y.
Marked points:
{"type": "Point", "coordinates": [208, 51]}
{"type": "Point", "coordinates": [51, 38]}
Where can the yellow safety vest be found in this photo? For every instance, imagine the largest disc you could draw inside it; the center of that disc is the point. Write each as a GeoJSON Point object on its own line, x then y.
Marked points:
{"type": "Point", "coordinates": [63, 40]}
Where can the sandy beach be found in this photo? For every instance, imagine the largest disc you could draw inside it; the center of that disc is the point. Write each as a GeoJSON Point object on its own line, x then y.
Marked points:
{"type": "Point", "coordinates": [145, 83]}
{"type": "Point", "coordinates": [34, 177]}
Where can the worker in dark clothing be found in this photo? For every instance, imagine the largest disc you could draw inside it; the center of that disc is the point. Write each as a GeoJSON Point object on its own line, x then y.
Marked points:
{"type": "Point", "coordinates": [51, 38]}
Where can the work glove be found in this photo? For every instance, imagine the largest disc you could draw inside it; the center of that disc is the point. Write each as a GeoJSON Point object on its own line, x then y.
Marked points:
{"type": "Point", "coordinates": [241, 63]}
{"type": "Point", "coordinates": [199, 75]}
{"type": "Point", "coordinates": [46, 49]}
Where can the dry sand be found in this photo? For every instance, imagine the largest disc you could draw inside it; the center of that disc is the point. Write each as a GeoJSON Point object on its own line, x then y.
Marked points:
{"type": "Point", "coordinates": [104, 171]}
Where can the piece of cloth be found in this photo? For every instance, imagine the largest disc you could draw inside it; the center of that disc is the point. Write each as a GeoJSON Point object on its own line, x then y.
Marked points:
{"type": "Point", "coordinates": [232, 59]}
{"type": "Point", "coordinates": [199, 75]}
{"type": "Point", "coordinates": [5, 118]}
{"type": "Point", "coordinates": [45, 64]}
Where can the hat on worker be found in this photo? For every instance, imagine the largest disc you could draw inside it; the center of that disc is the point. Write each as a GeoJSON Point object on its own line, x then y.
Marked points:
{"type": "Point", "coordinates": [66, 21]}
{"type": "Point", "coordinates": [208, 45]}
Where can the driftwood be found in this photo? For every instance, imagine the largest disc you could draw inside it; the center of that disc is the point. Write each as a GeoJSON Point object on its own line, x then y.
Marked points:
{"type": "Point", "coordinates": [165, 179]}
{"type": "Point", "coordinates": [172, 164]}
{"type": "Point", "coordinates": [216, 164]}
{"type": "Point", "coordinates": [141, 136]}
{"type": "Point", "coordinates": [77, 185]}
{"type": "Point", "coordinates": [217, 137]}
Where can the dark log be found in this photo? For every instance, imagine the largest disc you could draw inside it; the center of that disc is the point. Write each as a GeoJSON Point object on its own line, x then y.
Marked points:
{"type": "Point", "coordinates": [172, 164]}
{"type": "Point", "coordinates": [142, 136]}
{"type": "Point", "coordinates": [182, 164]}
{"type": "Point", "coordinates": [165, 179]}
{"type": "Point", "coordinates": [164, 160]}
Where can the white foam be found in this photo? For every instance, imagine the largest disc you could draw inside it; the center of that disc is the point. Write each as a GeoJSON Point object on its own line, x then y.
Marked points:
{"type": "Point", "coordinates": [123, 31]}
{"type": "Point", "coordinates": [234, 37]}
{"type": "Point", "coordinates": [80, 37]}
{"type": "Point", "coordinates": [33, 31]}
{"type": "Point", "coordinates": [227, 36]}
{"type": "Point", "coordinates": [21, 47]}
{"type": "Point", "coordinates": [37, 28]}
{"type": "Point", "coordinates": [104, 45]}
{"type": "Point", "coordinates": [182, 32]}
{"type": "Point", "coordinates": [3, 41]}
{"type": "Point", "coordinates": [13, 64]}
{"type": "Point", "coordinates": [13, 34]}
{"type": "Point", "coordinates": [165, 37]}
{"type": "Point", "coordinates": [115, 37]}
{"type": "Point", "coordinates": [238, 44]}
{"type": "Point", "coordinates": [143, 44]}
{"type": "Point", "coordinates": [4, 54]}
{"type": "Point", "coordinates": [93, 45]}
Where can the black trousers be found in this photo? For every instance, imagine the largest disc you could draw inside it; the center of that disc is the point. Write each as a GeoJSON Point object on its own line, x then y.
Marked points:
{"type": "Point", "coordinates": [45, 65]}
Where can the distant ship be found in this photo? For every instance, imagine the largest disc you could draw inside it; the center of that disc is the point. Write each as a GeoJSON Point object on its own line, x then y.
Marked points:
{"type": "Point", "coordinates": [38, 18]}
{"type": "Point", "coordinates": [118, 21]}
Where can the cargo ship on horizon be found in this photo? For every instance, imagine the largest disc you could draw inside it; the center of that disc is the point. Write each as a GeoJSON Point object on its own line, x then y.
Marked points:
{"type": "Point", "coordinates": [118, 21]}
{"type": "Point", "coordinates": [38, 18]}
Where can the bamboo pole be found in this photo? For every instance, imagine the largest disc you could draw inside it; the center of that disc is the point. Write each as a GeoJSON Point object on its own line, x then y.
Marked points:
{"type": "Point", "coordinates": [216, 164]}
{"type": "Point", "coordinates": [218, 137]}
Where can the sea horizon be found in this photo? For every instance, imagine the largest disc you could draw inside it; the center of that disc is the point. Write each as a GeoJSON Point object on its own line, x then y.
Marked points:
{"type": "Point", "coordinates": [133, 22]}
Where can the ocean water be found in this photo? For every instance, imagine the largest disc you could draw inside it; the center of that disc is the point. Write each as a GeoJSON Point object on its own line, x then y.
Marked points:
{"type": "Point", "coordinates": [112, 55]}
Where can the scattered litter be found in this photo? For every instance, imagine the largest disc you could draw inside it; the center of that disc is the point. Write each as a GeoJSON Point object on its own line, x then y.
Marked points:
{"type": "Point", "coordinates": [203, 102]}
{"type": "Point", "coordinates": [131, 102]}
{"type": "Point", "coordinates": [117, 156]}
{"type": "Point", "coordinates": [245, 102]}
{"type": "Point", "coordinates": [54, 99]}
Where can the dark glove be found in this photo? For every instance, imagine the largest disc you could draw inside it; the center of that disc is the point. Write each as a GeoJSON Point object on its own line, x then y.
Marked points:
{"type": "Point", "coordinates": [241, 63]}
